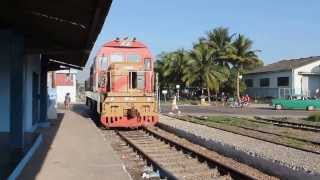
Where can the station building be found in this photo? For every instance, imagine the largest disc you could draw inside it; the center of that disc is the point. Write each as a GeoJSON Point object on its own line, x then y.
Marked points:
{"type": "Point", "coordinates": [37, 37]}
{"type": "Point", "coordinates": [285, 78]}
{"type": "Point", "coordinates": [62, 82]}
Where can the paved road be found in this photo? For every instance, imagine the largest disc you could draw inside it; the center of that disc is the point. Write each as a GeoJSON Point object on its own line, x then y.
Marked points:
{"type": "Point", "coordinates": [249, 111]}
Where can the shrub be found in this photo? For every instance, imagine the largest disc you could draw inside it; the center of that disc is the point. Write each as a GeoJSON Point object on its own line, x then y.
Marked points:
{"type": "Point", "coordinates": [194, 103]}
{"type": "Point", "coordinates": [314, 117]}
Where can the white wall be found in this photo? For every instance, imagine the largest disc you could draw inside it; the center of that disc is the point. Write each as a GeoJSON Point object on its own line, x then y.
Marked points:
{"type": "Point", "coordinates": [63, 90]}
{"type": "Point", "coordinates": [272, 76]}
{"type": "Point", "coordinates": [313, 82]}
{"type": "Point", "coordinates": [33, 65]}
{"type": "Point", "coordinates": [309, 82]}
{"type": "Point", "coordinates": [272, 90]}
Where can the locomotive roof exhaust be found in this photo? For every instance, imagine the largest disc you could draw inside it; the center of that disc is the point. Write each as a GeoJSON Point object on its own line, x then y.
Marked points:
{"type": "Point", "coordinates": [125, 39]}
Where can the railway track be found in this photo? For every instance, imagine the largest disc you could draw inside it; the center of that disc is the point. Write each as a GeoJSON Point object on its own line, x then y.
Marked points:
{"type": "Point", "coordinates": [316, 143]}
{"type": "Point", "coordinates": [176, 160]}
{"type": "Point", "coordinates": [293, 125]}
{"type": "Point", "coordinates": [314, 149]}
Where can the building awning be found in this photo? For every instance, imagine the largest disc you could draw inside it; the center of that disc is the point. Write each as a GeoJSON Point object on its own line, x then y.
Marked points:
{"type": "Point", "coordinates": [54, 65]}
{"type": "Point", "coordinates": [64, 31]}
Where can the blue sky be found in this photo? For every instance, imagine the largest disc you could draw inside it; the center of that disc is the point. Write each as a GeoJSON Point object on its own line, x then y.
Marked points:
{"type": "Point", "coordinates": [282, 29]}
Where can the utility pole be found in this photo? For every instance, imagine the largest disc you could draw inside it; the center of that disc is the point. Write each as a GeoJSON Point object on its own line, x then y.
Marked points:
{"type": "Point", "coordinates": [158, 95]}
{"type": "Point", "coordinates": [178, 93]}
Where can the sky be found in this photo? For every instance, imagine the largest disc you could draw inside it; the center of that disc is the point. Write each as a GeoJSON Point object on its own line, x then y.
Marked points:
{"type": "Point", "coordinates": [281, 29]}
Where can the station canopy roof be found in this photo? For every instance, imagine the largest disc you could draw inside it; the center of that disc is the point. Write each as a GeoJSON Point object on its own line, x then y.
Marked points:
{"type": "Point", "coordinates": [62, 30]}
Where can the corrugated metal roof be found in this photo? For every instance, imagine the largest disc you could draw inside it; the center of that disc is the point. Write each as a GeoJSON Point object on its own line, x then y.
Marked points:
{"type": "Point", "coordinates": [61, 30]}
{"type": "Point", "coordinates": [285, 65]}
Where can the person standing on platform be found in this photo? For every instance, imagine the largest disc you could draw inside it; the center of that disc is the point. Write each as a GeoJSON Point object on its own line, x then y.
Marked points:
{"type": "Point", "coordinates": [67, 101]}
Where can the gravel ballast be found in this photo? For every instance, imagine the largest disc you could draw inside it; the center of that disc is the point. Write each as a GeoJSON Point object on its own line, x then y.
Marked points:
{"type": "Point", "coordinates": [278, 160]}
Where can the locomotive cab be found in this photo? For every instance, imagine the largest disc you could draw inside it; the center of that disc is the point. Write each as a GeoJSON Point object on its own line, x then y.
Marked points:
{"type": "Point", "coordinates": [124, 81]}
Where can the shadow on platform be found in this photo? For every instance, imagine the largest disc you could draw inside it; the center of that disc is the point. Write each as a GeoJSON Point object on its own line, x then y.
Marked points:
{"type": "Point", "coordinates": [9, 159]}
{"type": "Point", "coordinates": [49, 134]}
{"type": "Point", "coordinates": [85, 112]}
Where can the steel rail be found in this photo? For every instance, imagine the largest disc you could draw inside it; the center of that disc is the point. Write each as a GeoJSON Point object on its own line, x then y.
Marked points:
{"type": "Point", "coordinates": [243, 134]}
{"type": "Point", "coordinates": [234, 173]}
{"type": "Point", "coordinates": [164, 172]}
{"type": "Point", "coordinates": [302, 126]}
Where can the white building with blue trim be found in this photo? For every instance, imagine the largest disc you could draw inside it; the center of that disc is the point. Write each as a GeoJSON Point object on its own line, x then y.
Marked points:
{"type": "Point", "coordinates": [283, 78]}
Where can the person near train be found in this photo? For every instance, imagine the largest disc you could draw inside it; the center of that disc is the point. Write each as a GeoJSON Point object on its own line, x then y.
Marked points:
{"type": "Point", "coordinates": [174, 106]}
{"type": "Point", "coordinates": [67, 101]}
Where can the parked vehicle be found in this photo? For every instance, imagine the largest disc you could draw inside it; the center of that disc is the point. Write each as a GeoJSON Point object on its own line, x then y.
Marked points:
{"type": "Point", "coordinates": [296, 102]}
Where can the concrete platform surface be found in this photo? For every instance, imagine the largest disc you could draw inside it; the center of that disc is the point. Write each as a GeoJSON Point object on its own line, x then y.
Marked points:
{"type": "Point", "coordinates": [74, 149]}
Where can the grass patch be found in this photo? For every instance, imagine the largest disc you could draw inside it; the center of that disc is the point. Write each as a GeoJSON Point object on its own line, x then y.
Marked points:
{"type": "Point", "coordinates": [314, 117]}
{"type": "Point", "coordinates": [182, 101]}
{"type": "Point", "coordinates": [294, 142]}
{"type": "Point", "coordinates": [233, 121]}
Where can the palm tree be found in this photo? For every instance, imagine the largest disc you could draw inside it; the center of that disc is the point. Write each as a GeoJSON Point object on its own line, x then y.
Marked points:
{"type": "Point", "coordinates": [174, 65]}
{"type": "Point", "coordinates": [243, 56]}
{"type": "Point", "coordinates": [203, 69]}
{"type": "Point", "coordinates": [158, 68]}
{"type": "Point", "coordinates": [220, 40]}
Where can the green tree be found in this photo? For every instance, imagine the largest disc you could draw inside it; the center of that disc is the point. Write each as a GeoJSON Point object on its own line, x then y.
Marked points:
{"type": "Point", "coordinates": [158, 67]}
{"type": "Point", "coordinates": [174, 65]}
{"type": "Point", "coordinates": [243, 57]}
{"type": "Point", "coordinates": [231, 86]}
{"type": "Point", "coordinates": [217, 57]}
{"type": "Point", "coordinates": [203, 70]}
{"type": "Point", "coordinates": [220, 40]}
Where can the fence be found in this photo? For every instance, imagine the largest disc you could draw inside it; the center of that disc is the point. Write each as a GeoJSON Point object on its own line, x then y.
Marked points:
{"type": "Point", "coordinates": [275, 92]}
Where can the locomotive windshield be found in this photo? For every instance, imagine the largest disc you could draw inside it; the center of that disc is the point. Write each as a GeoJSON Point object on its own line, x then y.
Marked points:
{"type": "Point", "coordinates": [147, 64]}
{"type": "Point", "coordinates": [133, 58]}
{"type": "Point", "coordinates": [104, 62]}
{"type": "Point", "coordinates": [116, 58]}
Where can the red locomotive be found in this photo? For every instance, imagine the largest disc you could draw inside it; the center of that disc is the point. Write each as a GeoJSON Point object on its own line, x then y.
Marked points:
{"type": "Point", "coordinates": [121, 85]}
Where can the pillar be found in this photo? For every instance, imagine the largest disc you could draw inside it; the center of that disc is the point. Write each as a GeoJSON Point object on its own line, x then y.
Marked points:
{"type": "Point", "coordinates": [44, 92]}
{"type": "Point", "coordinates": [16, 91]}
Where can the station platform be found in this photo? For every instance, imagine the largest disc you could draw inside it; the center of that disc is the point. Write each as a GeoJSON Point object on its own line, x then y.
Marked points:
{"type": "Point", "coordinates": [74, 149]}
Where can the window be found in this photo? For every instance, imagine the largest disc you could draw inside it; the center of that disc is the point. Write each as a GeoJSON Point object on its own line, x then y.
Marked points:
{"type": "Point", "coordinates": [249, 82]}
{"type": "Point", "coordinates": [140, 80]}
{"type": "Point", "coordinates": [104, 62]}
{"type": "Point", "coordinates": [133, 58]}
{"type": "Point", "coordinates": [147, 64]}
{"type": "Point", "coordinates": [265, 82]}
{"type": "Point", "coordinates": [133, 80]}
{"type": "Point", "coordinates": [109, 85]}
{"type": "Point", "coordinates": [283, 81]}
{"type": "Point", "coordinates": [116, 58]}
{"type": "Point", "coordinates": [136, 80]}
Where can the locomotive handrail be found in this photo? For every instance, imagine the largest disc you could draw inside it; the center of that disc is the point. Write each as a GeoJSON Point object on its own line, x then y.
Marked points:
{"type": "Point", "coordinates": [126, 70]}
{"type": "Point", "coordinates": [112, 73]}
